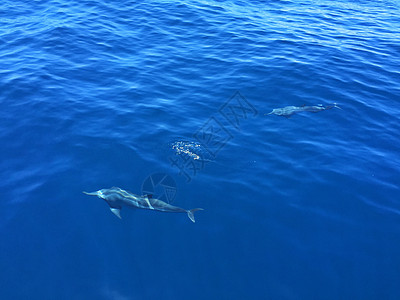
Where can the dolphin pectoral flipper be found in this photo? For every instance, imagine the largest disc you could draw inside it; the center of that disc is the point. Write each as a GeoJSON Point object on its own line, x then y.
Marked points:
{"type": "Point", "coordinates": [116, 211]}
{"type": "Point", "coordinates": [191, 215]}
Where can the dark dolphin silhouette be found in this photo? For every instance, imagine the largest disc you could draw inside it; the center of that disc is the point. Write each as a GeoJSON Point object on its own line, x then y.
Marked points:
{"type": "Point", "coordinates": [117, 198]}
{"type": "Point", "coordinates": [291, 110]}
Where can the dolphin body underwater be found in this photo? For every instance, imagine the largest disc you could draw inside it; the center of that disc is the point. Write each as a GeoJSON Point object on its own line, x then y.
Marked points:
{"type": "Point", "coordinates": [116, 198]}
{"type": "Point", "coordinates": [288, 111]}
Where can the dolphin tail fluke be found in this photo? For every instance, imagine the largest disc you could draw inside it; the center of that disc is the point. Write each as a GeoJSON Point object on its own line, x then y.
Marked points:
{"type": "Point", "coordinates": [191, 215]}
{"type": "Point", "coordinates": [335, 105]}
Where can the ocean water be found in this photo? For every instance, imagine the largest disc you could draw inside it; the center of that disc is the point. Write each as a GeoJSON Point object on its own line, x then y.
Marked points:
{"type": "Point", "coordinates": [94, 93]}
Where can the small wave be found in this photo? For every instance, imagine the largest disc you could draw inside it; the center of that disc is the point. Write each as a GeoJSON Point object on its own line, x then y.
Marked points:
{"type": "Point", "coordinates": [190, 149]}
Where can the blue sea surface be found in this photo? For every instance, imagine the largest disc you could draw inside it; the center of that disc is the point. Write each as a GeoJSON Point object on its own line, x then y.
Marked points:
{"type": "Point", "coordinates": [94, 93]}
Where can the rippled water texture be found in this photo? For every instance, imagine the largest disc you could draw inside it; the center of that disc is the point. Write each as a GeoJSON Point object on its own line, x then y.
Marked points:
{"type": "Point", "coordinates": [93, 93]}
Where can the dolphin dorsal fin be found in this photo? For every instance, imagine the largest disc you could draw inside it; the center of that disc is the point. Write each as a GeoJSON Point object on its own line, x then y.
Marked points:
{"type": "Point", "coordinates": [116, 211]}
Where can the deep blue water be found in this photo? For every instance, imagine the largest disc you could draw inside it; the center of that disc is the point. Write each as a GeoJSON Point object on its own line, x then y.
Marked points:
{"type": "Point", "coordinates": [93, 93]}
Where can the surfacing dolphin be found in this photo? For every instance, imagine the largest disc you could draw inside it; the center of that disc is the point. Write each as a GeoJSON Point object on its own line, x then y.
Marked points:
{"type": "Point", "coordinates": [291, 110]}
{"type": "Point", "coordinates": [117, 198]}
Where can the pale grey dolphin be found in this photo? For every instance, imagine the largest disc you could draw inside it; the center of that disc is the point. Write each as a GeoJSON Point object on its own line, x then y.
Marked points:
{"type": "Point", "coordinates": [117, 198]}
{"type": "Point", "coordinates": [291, 110]}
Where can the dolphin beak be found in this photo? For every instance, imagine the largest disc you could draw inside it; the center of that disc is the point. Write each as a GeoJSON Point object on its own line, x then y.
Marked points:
{"type": "Point", "coordinates": [91, 194]}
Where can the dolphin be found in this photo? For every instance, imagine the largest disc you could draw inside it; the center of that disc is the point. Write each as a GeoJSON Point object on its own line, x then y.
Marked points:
{"type": "Point", "coordinates": [288, 111]}
{"type": "Point", "coordinates": [116, 198]}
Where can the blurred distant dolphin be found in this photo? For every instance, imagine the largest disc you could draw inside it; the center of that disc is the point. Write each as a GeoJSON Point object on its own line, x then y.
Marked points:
{"type": "Point", "coordinates": [117, 198]}
{"type": "Point", "coordinates": [291, 110]}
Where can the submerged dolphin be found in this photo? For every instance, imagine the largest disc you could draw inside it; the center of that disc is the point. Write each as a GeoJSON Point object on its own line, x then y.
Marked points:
{"type": "Point", "coordinates": [291, 110]}
{"type": "Point", "coordinates": [117, 198]}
